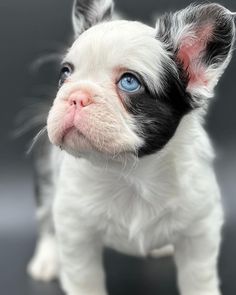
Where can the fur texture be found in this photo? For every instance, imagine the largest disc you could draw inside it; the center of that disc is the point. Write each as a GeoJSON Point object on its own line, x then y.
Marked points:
{"type": "Point", "coordinates": [135, 173]}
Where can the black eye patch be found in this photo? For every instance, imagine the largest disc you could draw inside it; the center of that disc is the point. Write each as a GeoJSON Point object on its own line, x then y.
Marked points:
{"type": "Point", "coordinates": [158, 115]}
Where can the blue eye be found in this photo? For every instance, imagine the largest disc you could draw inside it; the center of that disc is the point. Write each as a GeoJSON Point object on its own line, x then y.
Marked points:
{"type": "Point", "coordinates": [129, 83]}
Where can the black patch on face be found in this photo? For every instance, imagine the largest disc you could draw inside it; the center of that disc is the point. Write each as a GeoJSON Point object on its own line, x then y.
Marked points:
{"type": "Point", "coordinates": [158, 115]}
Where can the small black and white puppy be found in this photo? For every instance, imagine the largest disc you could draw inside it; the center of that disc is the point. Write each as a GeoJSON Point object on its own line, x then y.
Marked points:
{"type": "Point", "coordinates": [135, 173]}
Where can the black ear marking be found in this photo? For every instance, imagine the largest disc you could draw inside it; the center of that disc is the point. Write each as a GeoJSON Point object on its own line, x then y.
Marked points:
{"type": "Point", "coordinates": [87, 13]}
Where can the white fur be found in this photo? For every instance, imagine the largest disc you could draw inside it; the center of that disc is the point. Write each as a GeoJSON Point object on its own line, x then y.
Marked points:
{"type": "Point", "coordinates": [44, 266]}
{"type": "Point", "coordinates": [148, 57]}
{"type": "Point", "coordinates": [169, 198]}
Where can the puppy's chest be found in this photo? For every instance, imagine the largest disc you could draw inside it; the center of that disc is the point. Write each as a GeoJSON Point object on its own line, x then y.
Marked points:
{"type": "Point", "coordinates": [134, 218]}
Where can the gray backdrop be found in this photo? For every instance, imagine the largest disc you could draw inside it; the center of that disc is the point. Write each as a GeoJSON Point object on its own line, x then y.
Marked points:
{"type": "Point", "coordinates": [30, 29]}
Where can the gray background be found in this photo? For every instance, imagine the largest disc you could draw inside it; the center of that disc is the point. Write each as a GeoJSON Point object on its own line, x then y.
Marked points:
{"type": "Point", "coordinates": [30, 29]}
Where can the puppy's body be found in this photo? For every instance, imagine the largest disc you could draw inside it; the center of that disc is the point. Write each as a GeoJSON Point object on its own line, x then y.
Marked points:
{"type": "Point", "coordinates": [172, 198]}
{"type": "Point", "coordinates": [137, 174]}
{"type": "Point", "coordinates": [147, 204]}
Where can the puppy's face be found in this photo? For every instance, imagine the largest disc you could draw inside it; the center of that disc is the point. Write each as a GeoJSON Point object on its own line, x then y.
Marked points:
{"type": "Point", "coordinates": [111, 79]}
{"type": "Point", "coordinates": [124, 86]}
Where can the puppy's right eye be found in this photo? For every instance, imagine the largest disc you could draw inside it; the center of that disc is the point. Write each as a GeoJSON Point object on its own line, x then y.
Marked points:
{"type": "Point", "coordinates": [66, 71]}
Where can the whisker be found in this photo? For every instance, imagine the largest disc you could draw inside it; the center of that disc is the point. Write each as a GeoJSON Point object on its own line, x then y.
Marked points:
{"type": "Point", "coordinates": [36, 139]}
{"type": "Point", "coordinates": [42, 60]}
{"type": "Point", "coordinates": [29, 125]}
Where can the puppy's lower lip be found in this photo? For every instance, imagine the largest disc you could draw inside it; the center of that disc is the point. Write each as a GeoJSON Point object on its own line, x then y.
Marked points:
{"type": "Point", "coordinates": [69, 130]}
{"type": "Point", "coordinates": [66, 132]}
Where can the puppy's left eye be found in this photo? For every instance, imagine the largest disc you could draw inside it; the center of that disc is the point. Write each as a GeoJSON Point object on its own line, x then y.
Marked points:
{"type": "Point", "coordinates": [129, 83]}
{"type": "Point", "coordinates": [66, 71]}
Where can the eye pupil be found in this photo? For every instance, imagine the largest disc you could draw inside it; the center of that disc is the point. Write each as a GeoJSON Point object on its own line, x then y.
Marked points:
{"type": "Point", "coordinates": [129, 80]}
{"type": "Point", "coordinates": [66, 71]}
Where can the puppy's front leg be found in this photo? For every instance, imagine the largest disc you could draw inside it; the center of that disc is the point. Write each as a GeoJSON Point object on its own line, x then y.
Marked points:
{"type": "Point", "coordinates": [80, 252]}
{"type": "Point", "coordinates": [196, 256]}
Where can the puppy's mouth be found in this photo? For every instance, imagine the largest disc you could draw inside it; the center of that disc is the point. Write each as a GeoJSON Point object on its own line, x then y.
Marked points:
{"type": "Point", "coordinates": [73, 138]}
{"type": "Point", "coordinates": [64, 131]}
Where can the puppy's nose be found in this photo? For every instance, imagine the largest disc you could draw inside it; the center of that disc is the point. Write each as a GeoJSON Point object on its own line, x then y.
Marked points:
{"type": "Point", "coordinates": [80, 99]}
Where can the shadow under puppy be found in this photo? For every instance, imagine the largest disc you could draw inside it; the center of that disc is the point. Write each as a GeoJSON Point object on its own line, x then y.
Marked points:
{"type": "Point", "coordinates": [135, 173]}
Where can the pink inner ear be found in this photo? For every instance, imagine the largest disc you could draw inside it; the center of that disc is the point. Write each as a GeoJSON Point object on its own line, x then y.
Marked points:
{"type": "Point", "coordinates": [190, 53]}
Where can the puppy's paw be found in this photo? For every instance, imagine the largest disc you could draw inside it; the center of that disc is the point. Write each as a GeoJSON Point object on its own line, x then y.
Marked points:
{"type": "Point", "coordinates": [44, 265]}
{"type": "Point", "coordinates": [89, 288]}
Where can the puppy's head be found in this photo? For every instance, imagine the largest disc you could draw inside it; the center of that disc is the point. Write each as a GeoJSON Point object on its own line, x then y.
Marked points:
{"type": "Point", "coordinates": [125, 86]}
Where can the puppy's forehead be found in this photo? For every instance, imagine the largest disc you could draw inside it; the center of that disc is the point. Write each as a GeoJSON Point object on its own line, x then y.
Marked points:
{"type": "Point", "coordinates": [118, 44]}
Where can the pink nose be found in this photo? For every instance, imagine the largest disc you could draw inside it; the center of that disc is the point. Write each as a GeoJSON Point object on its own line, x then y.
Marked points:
{"type": "Point", "coordinates": [80, 98]}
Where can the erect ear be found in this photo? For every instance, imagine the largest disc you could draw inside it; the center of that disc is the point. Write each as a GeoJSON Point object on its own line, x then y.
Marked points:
{"type": "Point", "coordinates": [201, 38]}
{"type": "Point", "coordinates": [87, 13]}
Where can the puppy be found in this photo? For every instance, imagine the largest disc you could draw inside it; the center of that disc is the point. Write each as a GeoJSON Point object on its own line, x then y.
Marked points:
{"type": "Point", "coordinates": [136, 169]}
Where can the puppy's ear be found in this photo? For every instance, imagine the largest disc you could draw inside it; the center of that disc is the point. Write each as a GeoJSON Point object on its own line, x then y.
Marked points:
{"type": "Point", "coordinates": [87, 13]}
{"type": "Point", "coordinates": [200, 38]}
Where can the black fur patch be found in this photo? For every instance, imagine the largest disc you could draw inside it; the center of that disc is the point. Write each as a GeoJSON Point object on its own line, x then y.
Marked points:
{"type": "Point", "coordinates": [158, 115]}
